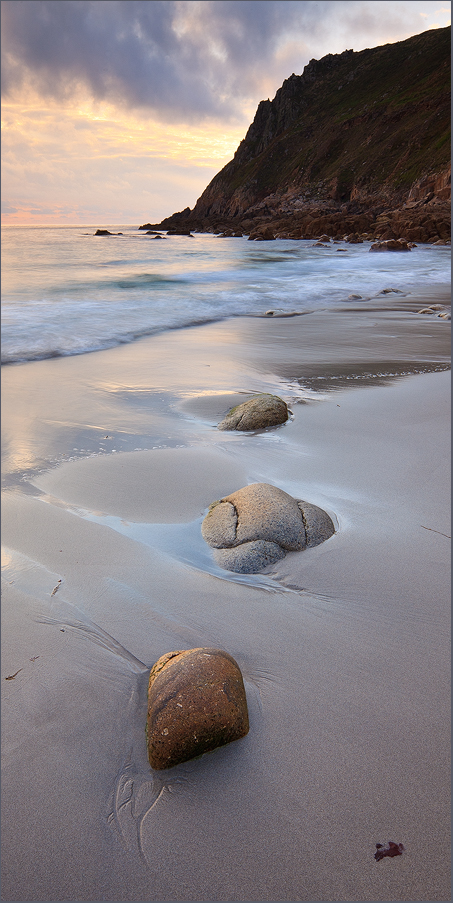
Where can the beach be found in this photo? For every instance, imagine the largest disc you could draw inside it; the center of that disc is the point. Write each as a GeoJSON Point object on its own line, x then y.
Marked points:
{"type": "Point", "coordinates": [111, 460]}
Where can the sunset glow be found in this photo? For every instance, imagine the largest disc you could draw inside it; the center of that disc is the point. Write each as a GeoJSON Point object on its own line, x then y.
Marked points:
{"type": "Point", "coordinates": [81, 144]}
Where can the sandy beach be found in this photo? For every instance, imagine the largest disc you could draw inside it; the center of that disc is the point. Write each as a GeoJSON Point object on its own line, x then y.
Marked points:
{"type": "Point", "coordinates": [111, 460]}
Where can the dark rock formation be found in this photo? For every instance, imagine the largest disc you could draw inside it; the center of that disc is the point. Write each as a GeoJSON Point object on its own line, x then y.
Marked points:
{"type": "Point", "coordinates": [256, 414]}
{"type": "Point", "coordinates": [103, 232]}
{"type": "Point", "coordinates": [196, 702]}
{"type": "Point", "coordinates": [257, 525]}
{"type": "Point", "coordinates": [392, 244]}
{"type": "Point", "coordinates": [359, 143]}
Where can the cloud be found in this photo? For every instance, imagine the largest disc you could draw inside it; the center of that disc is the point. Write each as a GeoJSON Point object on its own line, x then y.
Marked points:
{"type": "Point", "coordinates": [70, 166]}
{"type": "Point", "coordinates": [184, 60]}
{"type": "Point", "coordinates": [123, 110]}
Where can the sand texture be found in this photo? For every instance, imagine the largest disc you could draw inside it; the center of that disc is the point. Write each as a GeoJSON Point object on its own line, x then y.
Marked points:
{"type": "Point", "coordinates": [110, 463]}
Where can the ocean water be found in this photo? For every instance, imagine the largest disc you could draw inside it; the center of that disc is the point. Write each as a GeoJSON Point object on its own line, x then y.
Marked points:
{"type": "Point", "coordinates": [66, 291]}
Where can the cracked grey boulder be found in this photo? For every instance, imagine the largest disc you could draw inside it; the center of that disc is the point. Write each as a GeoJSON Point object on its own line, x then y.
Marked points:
{"type": "Point", "coordinates": [256, 414]}
{"type": "Point", "coordinates": [255, 527]}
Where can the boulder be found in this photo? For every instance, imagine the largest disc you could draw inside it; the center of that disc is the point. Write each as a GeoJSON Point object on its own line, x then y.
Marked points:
{"type": "Point", "coordinates": [393, 244]}
{"type": "Point", "coordinates": [263, 233]}
{"type": "Point", "coordinates": [196, 702]}
{"type": "Point", "coordinates": [103, 232]}
{"type": "Point", "coordinates": [255, 527]}
{"type": "Point", "coordinates": [257, 413]}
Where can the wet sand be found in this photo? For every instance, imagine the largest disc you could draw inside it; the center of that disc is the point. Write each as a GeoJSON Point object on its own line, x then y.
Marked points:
{"type": "Point", "coordinates": [110, 462]}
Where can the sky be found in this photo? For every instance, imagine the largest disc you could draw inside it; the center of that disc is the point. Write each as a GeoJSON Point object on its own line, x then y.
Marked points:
{"type": "Point", "coordinates": [122, 111]}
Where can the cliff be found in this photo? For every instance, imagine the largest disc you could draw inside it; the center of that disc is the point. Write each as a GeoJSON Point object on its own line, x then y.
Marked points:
{"type": "Point", "coordinates": [356, 136]}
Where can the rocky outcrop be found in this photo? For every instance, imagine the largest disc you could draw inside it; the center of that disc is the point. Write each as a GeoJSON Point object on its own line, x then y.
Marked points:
{"type": "Point", "coordinates": [256, 414]}
{"type": "Point", "coordinates": [257, 525]}
{"type": "Point", "coordinates": [393, 244]}
{"type": "Point", "coordinates": [196, 702]}
{"type": "Point", "coordinates": [359, 143]}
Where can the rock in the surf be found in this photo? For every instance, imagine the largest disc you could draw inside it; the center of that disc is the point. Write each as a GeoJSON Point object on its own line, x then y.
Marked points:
{"type": "Point", "coordinates": [392, 244]}
{"type": "Point", "coordinates": [257, 413]}
{"type": "Point", "coordinates": [196, 702]}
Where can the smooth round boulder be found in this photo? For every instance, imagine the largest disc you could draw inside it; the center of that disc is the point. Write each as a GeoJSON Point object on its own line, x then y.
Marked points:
{"type": "Point", "coordinates": [257, 413]}
{"type": "Point", "coordinates": [196, 702]}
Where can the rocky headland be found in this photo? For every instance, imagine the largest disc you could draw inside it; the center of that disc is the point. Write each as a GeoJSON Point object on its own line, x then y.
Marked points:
{"type": "Point", "coordinates": [356, 147]}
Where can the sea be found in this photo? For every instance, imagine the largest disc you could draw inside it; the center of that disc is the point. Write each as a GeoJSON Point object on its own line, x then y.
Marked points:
{"type": "Point", "coordinates": [66, 291]}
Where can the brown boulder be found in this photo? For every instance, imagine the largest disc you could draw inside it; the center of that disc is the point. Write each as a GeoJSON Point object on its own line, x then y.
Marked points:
{"type": "Point", "coordinates": [263, 233]}
{"type": "Point", "coordinates": [196, 702]}
{"type": "Point", "coordinates": [392, 244]}
{"type": "Point", "coordinates": [257, 413]}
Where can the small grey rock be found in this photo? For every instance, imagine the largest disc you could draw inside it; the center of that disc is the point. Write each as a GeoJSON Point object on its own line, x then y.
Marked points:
{"type": "Point", "coordinates": [257, 413]}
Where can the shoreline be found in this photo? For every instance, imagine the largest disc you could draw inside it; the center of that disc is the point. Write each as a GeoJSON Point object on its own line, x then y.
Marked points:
{"type": "Point", "coordinates": [111, 461]}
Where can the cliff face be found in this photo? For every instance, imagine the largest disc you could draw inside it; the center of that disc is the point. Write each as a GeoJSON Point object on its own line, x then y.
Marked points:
{"type": "Point", "coordinates": [354, 135]}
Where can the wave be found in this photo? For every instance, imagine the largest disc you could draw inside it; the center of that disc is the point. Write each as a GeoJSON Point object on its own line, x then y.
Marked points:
{"type": "Point", "coordinates": [17, 356]}
{"type": "Point", "coordinates": [68, 298]}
